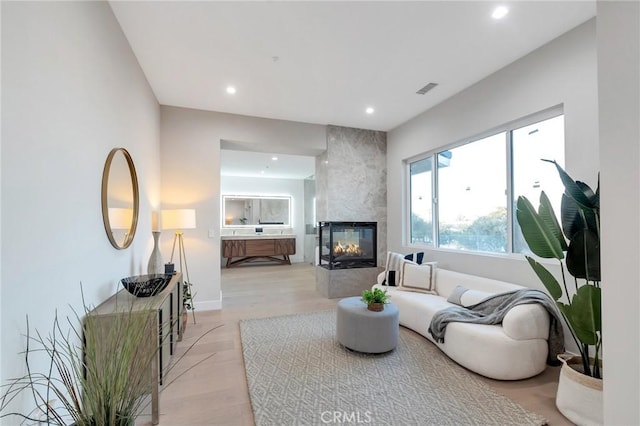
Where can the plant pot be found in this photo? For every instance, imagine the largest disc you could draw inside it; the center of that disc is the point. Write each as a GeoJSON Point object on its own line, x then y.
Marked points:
{"type": "Point", "coordinates": [185, 317]}
{"type": "Point", "coordinates": [376, 307]}
{"type": "Point", "coordinates": [579, 397]}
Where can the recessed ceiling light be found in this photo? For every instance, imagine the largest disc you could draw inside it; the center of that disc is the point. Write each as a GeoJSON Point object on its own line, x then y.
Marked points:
{"type": "Point", "coordinates": [274, 158]}
{"type": "Point", "coordinates": [499, 12]}
{"type": "Point", "coordinates": [369, 110]}
{"type": "Point", "coordinates": [231, 90]}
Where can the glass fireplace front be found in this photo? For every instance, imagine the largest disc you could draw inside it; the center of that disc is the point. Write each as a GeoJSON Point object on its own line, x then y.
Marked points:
{"type": "Point", "coordinates": [348, 245]}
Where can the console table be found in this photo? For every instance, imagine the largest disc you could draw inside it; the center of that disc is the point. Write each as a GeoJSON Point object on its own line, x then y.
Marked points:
{"type": "Point", "coordinates": [165, 329]}
{"type": "Point", "coordinates": [253, 247]}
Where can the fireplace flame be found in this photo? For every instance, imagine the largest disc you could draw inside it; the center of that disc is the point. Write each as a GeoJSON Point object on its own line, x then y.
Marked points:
{"type": "Point", "coordinates": [347, 249]}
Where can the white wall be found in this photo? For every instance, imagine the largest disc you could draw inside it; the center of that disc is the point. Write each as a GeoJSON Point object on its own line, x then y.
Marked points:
{"type": "Point", "coordinates": [619, 99]}
{"type": "Point", "coordinates": [234, 185]}
{"type": "Point", "coordinates": [72, 91]}
{"type": "Point", "coordinates": [190, 158]}
{"type": "Point", "coordinates": [561, 72]}
{"type": "Point", "coordinates": [1, 375]}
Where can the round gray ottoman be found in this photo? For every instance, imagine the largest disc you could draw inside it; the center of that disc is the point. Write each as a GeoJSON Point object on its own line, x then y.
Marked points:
{"type": "Point", "coordinates": [362, 330]}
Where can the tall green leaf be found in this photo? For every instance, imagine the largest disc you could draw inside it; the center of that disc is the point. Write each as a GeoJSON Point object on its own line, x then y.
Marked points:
{"type": "Point", "coordinates": [590, 212]}
{"type": "Point", "coordinates": [586, 190]}
{"type": "Point", "coordinates": [584, 314]}
{"type": "Point", "coordinates": [583, 256]}
{"type": "Point", "coordinates": [570, 216]}
{"type": "Point", "coordinates": [541, 240]}
{"type": "Point", "coordinates": [575, 218]}
{"type": "Point", "coordinates": [549, 218]}
{"type": "Point", "coordinates": [597, 206]}
{"type": "Point", "coordinates": [551, 284]}
{"type": "Point", "coordinates": [572, 189]}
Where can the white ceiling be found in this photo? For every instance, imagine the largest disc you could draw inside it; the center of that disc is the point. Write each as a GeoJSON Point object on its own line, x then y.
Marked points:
{"type": "Point", "coordinates": [262, 165]}
{"type": "Point", "coordinates": [323, 62]}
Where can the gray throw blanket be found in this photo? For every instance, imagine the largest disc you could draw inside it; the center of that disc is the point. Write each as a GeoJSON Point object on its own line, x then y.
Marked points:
{"type": "Point", "coordinates": [493, 310]}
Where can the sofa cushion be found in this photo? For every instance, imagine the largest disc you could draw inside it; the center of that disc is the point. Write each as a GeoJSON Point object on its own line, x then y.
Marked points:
{"type": "Point", "coordinates": [418, 277]}
{"type": "Point", "coordinates": [417, 309]}
{"type": "Point", "coordinates": [446, 282]}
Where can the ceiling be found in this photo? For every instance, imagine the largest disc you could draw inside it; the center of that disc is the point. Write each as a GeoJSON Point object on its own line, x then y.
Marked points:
{"type": "Point", "coordinates": [259, 164]}
{"type": "Point", "coordinates": [324, 62]}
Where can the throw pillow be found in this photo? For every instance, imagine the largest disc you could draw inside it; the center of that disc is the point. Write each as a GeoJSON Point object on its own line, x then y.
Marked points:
{"type": "Point", "coordinates": [417, 277]}
{"type": "Point", "coordinates": [456, 294]}
{"type": "Point", "coordinates": [463, 296]}
{"type": "Point", "coordinates": [415, 257]}
{"type": "Point", "coordinates": [393, 272]}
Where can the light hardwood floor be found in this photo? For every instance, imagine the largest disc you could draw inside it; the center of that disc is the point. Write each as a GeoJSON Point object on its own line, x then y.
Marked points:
{"type": "Point", "coordinates": [215, 391]}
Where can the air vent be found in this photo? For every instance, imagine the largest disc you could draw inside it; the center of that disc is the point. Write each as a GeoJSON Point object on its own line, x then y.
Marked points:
{"type": "Point", "coordinates": [426, 88]}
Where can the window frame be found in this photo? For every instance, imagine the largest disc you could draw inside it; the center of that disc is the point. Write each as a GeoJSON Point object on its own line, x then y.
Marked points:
{"type": "Point", "coordinates": [407, 212]}
{"type": "Point", "coordinates": [508, 128]}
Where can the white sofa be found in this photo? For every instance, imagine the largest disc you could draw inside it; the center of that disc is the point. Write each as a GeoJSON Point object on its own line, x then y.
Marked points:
{"type": "Point", "coordinates": [516, 349]}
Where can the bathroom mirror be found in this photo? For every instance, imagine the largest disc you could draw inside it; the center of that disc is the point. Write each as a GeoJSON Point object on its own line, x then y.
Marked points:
{"type": "Point", "coordinates": [120, 201]}
{"type": "Point", "coordinates": [243, 210]}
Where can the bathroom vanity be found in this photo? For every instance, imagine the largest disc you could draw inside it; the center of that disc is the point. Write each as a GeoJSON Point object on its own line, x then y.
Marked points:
{"type": "Point", "coordinates": [239, 249]}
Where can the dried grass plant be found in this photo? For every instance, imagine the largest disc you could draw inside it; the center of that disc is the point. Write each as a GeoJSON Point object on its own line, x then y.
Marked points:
{"type": "Point", "coordinates": [103, 382]}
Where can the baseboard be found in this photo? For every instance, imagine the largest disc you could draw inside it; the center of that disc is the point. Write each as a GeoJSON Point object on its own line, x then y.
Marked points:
{"type": "Point", "coordinates": [209, 305]}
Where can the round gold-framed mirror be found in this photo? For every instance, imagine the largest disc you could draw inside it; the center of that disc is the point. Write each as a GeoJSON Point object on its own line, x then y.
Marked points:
{"type": "Point", "coordinates": [120, 198]}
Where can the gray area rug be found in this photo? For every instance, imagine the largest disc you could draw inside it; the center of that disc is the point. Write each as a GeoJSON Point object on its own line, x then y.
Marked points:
{"type": "Point", "coordinates": [298, 374]}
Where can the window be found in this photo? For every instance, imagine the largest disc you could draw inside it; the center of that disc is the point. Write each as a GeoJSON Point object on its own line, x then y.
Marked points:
{"type": "Point", "coordinates": [544, 139]}
{"type": "Point", "coordinates": [421, 208]}
{"type": "Point", "coordinates": [468, 201]}
{"type": "Point", "coordinates": [472, 197]}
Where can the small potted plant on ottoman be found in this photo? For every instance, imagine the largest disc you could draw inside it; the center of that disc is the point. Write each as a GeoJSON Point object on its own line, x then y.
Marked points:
{"type": "Point", "coordinates": [375, 299]}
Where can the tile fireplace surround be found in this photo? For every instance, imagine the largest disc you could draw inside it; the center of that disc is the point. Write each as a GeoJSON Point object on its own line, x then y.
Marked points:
{"type": "Point", "coordinates": [340, 283]}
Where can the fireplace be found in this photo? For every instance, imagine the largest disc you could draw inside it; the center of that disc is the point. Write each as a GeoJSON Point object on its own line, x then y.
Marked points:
{"type": "Point", "coordinates": [348, 245]}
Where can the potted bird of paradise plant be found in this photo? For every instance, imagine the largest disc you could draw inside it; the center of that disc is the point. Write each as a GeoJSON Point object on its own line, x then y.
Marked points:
{"type": "Point", "coordinates": [575, 244]}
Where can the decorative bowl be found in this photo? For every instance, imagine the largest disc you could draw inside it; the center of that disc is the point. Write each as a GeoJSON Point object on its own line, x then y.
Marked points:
{"type": "Point", "coordinates": [146, 285]}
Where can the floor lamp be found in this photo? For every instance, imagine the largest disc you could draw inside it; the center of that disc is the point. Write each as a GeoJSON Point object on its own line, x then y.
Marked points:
{"type": "Point", "coordinates": [181, 219]}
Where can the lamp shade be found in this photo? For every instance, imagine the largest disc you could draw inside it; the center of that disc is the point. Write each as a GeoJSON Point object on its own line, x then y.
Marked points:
{"type": "Point", "coordinates": [178, 219]}
{"type": "Point", "coordinates": [120, 218]}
